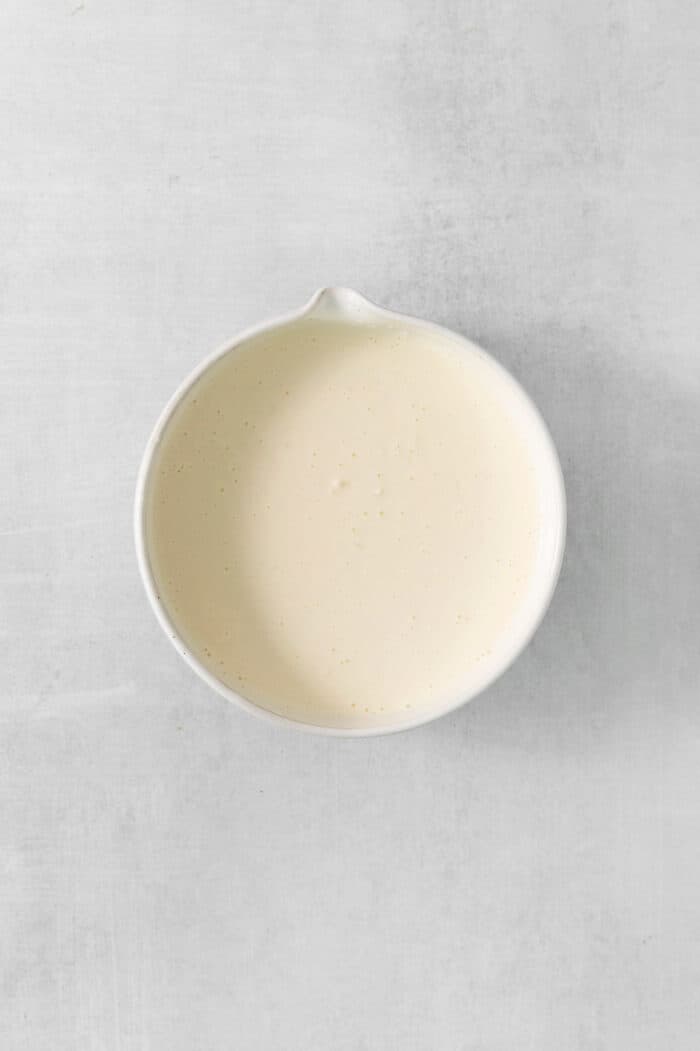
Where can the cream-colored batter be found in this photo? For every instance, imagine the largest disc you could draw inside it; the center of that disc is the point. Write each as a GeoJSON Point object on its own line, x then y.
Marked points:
{"type": "Point", "coordinates": [343, 520]}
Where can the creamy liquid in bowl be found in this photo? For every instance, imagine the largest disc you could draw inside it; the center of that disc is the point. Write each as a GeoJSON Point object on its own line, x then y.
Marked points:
{"type": "Point", "coordinates": [343, 520]}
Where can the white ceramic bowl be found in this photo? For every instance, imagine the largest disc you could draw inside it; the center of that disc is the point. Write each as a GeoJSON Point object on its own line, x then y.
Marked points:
{"type": "Point", "coordinates": [343, 304]}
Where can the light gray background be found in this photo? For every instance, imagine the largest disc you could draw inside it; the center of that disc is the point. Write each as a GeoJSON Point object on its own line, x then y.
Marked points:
{"type": "Point", "coordinates": [174, 875]}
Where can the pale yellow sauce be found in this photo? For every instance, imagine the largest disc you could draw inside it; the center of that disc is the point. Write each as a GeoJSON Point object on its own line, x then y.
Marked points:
{"type": "Point", "coordinates": [343, 520]}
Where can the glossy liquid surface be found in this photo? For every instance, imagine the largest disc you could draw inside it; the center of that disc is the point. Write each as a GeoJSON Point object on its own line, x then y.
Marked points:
{"type": "Point", "coordinates": [343, 520]}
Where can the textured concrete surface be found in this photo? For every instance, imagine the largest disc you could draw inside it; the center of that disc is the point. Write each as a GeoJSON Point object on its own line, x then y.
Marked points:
{"type": "Point", "coordinates": [175, 876]}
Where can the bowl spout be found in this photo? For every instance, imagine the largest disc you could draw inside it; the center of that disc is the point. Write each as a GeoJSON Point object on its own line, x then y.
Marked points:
{"type": "Point", "coordinates": [341, 304]}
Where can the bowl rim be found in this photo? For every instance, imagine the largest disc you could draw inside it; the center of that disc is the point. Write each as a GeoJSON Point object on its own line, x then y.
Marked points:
{"type": "Point", "coordinates": [344, 304]}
